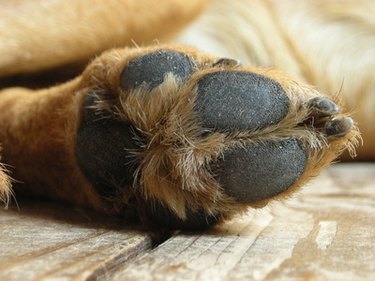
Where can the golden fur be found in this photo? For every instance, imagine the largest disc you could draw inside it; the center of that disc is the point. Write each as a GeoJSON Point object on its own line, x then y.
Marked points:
{"type": "Point", "coordinates": [38, 127]}
{"type": "Point", "coordinates": [40, 34]}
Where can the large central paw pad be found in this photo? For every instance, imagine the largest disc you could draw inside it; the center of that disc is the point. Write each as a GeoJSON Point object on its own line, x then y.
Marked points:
{"type": "Point", "coordinates": [223, 137]}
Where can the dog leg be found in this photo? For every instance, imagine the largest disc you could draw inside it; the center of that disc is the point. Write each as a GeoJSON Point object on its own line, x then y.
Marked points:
{"type": "Point", "coordinates": [176, 137]}
{"type": "Point", "coordinates": [38, 35]}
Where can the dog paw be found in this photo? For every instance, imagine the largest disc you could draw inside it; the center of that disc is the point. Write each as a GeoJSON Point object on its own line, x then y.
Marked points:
{"type": "Point", "coordinates": [184, 140]}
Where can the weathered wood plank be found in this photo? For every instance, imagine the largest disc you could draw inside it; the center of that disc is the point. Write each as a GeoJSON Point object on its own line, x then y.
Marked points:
{"type": "Point", "coordinates": [326, 233]}
{"type": "Point", "coordinates": [46, 241]}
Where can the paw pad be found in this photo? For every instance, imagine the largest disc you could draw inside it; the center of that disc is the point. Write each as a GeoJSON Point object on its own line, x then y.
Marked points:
{"type": "Point", "coordinates": [150, 69]}
{"type": "Point", "coordinates": [229, 100]}
{"type": "Point", "coordinates": [261, 170]}
{"type": "Point", "coordinates": [103, 148]}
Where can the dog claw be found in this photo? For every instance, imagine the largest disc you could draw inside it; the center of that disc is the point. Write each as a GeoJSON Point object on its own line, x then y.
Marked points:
{"type": "Point", "coordinates": [338, 126]}
{"type": "Point", "coordinates": [323, 107]}
{"type": "Point", "coordinates": [226, 62]}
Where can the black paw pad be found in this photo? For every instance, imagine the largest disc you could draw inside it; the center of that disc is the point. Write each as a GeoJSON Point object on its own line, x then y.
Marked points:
{"type": "Point", "coordinates": [150, 69]}
{"type": "Point", "coordinates": [103, 151]}
{"type": "Point", "coordinates": [261, 170]}
{"type": "Point", "coordinates": [240, 100]}
{"type": "Point", "coordinates": [162, 216]}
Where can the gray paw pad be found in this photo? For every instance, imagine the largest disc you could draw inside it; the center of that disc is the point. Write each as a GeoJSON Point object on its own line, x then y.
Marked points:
{"type": "Point", "coordinates": [261, 170]}
{"type": "Point", "coordinates": [103, 148]}
{"type": "Point", "coordinates": [229, 100]}
{"type": "Point", "coordinates": [151, 69]}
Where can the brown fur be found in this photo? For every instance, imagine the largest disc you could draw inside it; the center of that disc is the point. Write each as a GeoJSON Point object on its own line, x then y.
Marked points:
{"type": "Point", "coordinates": [38, 128]}
{"type": "Point", "coordinates": [40, 34]}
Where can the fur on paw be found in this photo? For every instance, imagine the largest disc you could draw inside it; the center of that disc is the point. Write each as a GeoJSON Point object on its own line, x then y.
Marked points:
{"type": "Point", "coordinates": [5, 189]}
{"type": "Point", "coordinates": [183, 139]}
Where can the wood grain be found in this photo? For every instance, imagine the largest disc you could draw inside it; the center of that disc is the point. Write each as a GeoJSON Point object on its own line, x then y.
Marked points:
{"type": "Point", "coordinates": [326, 233]}
{"type": "Point", "coordinates": [47, 241]}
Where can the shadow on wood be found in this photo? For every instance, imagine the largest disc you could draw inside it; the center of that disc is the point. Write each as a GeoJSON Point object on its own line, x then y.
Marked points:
{"type": "Point", "coordinates": [48, 240]}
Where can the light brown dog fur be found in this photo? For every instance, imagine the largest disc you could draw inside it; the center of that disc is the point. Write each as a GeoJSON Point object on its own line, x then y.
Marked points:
{"type": "Point", "coordinates": [41, 34]}
{"type": "Point", "coordinates": [38, 127]}
{"type": "Point", "coordinates": [328, 44]}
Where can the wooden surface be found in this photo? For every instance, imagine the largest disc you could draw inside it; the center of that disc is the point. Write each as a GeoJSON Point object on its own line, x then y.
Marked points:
{"type": "Point", "coordinates": [46, 241]}
{"type": "Point", "coordinates": [327, 232]}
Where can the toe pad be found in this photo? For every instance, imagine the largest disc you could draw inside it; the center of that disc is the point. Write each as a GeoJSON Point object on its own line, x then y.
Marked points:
{"type": "Point", "coordinates": [150, 69]}
{"type": "Point", "coordinates": [230, 100]}
{"type": "Point", "coordinates": [261, 170]}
